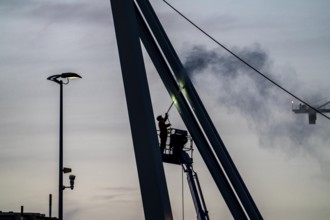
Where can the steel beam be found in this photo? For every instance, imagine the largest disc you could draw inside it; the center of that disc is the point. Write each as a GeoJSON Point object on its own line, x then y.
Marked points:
{"type": "Point", "coordinates": [200, 111]}
{"type": "Point", "coordinates": [148, 158]}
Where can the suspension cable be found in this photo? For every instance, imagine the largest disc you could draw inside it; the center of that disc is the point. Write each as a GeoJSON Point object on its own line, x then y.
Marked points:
{"type": "Point", "coordinates": [245, 62]}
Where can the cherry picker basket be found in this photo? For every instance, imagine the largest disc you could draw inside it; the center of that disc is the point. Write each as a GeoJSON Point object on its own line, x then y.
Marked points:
{"type": "Point", "coordinates": [176, 150]}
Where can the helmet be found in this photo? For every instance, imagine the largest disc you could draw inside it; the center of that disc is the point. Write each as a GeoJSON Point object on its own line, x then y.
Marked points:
{"type": "Point", "coordinates": [159, 118]}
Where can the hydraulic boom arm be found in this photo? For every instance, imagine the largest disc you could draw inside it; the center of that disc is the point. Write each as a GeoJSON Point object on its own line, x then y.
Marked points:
{"type": "Point", "coordinates": [196, 192]}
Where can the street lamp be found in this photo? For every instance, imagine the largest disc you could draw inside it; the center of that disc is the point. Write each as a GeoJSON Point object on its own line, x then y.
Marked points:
{"type": "Point", "coordinates": [61, 79]}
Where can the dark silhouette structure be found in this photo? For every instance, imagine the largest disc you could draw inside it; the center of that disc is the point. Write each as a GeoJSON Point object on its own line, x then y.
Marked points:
{"type": "Point", "coordinates": [24, 216]}
{"type": "Point", "coordinates": [62, 79]}
{"type": "Point", "coordinates": [135, 21]}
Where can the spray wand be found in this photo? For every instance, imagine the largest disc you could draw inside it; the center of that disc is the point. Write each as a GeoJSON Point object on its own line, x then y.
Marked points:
{"type": "Point", "coordinates": [174, 99]}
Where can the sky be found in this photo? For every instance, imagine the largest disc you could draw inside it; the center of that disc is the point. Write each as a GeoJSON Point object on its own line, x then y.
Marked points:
{"type": "Point", "coordinates": [283, 160]}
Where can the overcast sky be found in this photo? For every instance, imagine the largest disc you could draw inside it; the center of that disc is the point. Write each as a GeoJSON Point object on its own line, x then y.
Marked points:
{"type": "Point", "coordinates": [283, 160]}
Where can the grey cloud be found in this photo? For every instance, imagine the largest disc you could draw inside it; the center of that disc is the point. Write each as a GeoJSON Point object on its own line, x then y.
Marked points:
{"type": "Point", "coordinates": [83, 13]}
{"type": "Point", "coordinates": [117, 193]}
{"type": "Point", "coordinates": [98, 13]}
{"type": "Point", "coordinates": [121, 188]}
{"type": "Point", "coordinates": [72, 213]}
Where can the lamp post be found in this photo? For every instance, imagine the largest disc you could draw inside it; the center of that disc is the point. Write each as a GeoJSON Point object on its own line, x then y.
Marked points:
{"type": "Point", "coordinates": [60, 80]}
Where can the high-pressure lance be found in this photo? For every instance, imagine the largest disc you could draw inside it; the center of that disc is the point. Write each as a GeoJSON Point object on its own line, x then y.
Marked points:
{"type": "Point", "coordinates": [182, 87]}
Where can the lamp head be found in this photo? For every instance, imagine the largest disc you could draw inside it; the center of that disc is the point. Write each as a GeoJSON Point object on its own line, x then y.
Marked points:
{"type": "Point", "coordinates": [70, 75]}
{"type": "Point", "coordinates": [59, 77]}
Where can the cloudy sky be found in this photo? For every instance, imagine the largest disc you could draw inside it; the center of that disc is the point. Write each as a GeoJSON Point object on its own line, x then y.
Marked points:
{"type": "Point", "coordinates": [283, 160]}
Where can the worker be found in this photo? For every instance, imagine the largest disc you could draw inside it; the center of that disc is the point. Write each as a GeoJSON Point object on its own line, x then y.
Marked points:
{"type": "Point", "coordinates": [163, 131]}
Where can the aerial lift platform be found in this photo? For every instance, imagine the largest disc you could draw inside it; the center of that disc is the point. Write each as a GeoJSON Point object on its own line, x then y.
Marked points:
{"type": "Point", "coordinates": [178, 153]}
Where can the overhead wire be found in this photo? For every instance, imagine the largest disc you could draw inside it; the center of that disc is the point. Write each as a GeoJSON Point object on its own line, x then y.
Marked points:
{"type": "Point", "coordinates": [245, 62]}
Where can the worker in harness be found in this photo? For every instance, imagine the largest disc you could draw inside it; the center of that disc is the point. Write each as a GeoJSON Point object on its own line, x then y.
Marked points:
{"type": "Point", "coordinates": [163, 131]}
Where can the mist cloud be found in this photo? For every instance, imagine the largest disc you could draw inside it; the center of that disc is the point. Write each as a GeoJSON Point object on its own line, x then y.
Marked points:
{"type": "Point", "coordinates": [266, 108]}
